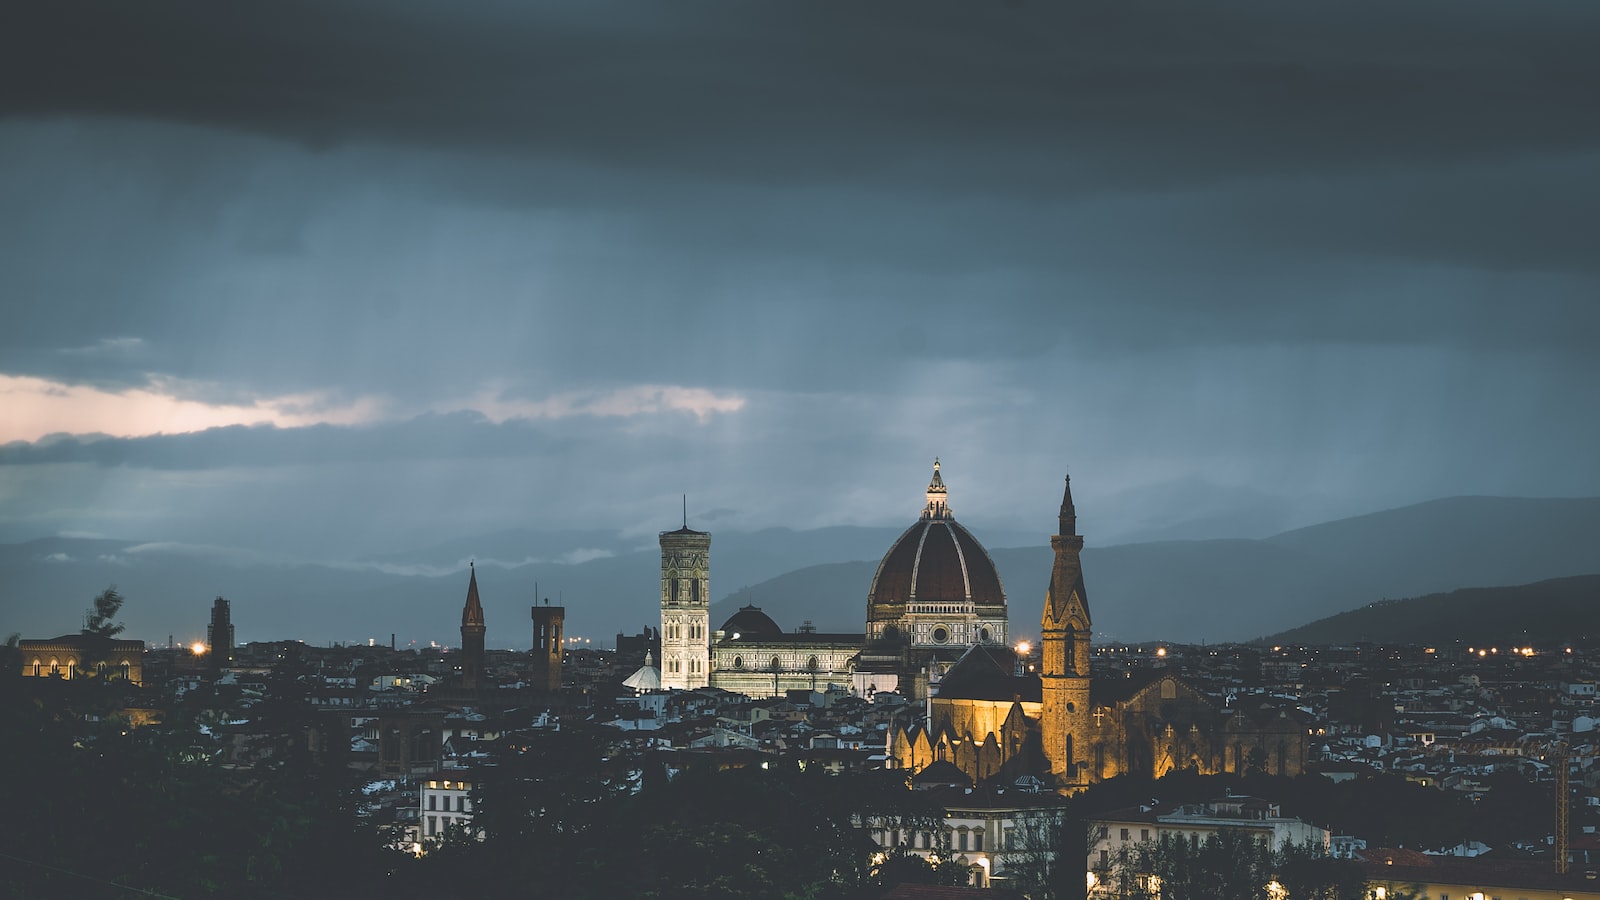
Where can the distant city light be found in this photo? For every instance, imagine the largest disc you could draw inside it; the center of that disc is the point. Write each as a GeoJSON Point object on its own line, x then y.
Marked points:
{"type": "Point", "coordinates": [1023, 647]}
{"type": "Point", "coordinates": [197, 648]}
{"type": "Point", "coordinates": [1161, 651]}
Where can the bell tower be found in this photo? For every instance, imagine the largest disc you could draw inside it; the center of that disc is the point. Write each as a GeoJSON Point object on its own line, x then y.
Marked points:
{"type": "Point", "coordinates": [685, 608]}
{"type": "Point", "coordinates": [1064, 720]}
{"type": "Point", "coordinates": [548, 621]}
{"type": "Point", "coordinates": [472, 629]}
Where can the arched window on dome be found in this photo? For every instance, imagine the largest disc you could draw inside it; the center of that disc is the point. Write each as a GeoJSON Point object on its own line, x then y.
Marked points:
{"type": "Point", "coordinates": [738, 662]}
{"type": "Point", "coordinates": [777, 664]}
{"type": "Point", "coordinates": [813, 664]}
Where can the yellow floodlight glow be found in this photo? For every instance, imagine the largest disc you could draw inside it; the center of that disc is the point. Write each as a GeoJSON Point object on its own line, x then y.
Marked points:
{"type": "Point", "coordinates": [197, 648]}
{"type": "Point", "coordinates": [1023, 648]}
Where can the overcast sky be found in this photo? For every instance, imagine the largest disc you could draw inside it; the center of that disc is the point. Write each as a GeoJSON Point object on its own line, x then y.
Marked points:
{"type": "Point", "coordinates": [325, 279]}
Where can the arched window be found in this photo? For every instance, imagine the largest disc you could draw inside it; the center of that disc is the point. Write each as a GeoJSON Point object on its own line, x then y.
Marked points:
{"type": "Point", "coordinates": [812, 664]}
{"type": "Point", "coordinates": [985, 635]}
{"type": "Point", "coordinates": [777, 664]}
{"type": "Point", "coordinates": [738, 662]}
{"type": "Point", "coordinates": [38, 668]}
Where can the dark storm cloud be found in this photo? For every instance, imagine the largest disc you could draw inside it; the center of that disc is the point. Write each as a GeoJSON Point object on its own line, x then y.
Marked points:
{"type": "Point", "coordinates": [542, 191]}
{"type": "Point", "coordinates": [955, 96]}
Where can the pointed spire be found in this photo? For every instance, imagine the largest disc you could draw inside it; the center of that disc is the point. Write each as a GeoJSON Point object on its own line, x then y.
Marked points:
{"type": "Point", "coordinates": [938, 507]}
{"type": "Point", "coordinates": [472, 613]}
{"type": "Point", "coordinates": [1069, 514]}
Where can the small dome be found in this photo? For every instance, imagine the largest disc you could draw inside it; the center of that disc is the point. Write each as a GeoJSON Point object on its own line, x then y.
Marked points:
{"type": "Point", "coordinates": [751, 622]}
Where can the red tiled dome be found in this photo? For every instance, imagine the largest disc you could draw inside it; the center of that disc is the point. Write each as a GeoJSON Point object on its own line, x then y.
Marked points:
{"type": "Point", "coordinates": [937, 559]}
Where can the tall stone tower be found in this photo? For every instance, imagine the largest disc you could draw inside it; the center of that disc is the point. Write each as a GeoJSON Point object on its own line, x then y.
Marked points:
{"type": "Point", "coordinates": [685, 608]}
{"type": "Point", "coordinates": [472, 630]}
{"type": "Point", "coordinates": [545, 673]}
{"type": "Point", "coordinates": [1064, 720]}
{"type": "Point", "coordinates": [219, 635]}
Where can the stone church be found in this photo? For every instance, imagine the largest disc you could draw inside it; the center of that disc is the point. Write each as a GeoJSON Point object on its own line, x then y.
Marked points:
{"type": "Point", "coordinates": [993, 722]}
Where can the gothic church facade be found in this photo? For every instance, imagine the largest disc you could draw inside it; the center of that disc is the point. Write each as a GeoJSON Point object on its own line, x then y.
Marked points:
{"type": "Point", "coordinates": [1076, 730]}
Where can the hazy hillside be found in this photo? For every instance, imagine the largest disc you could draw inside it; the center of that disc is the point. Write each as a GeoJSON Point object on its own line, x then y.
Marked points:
{"type": "Point", "coordinates": [1183, 590]}
{"type": "Point", "coordinates": [1457, 542]}
{"type": "Point", "coordinates": [1241, 589]}
{"type": "Point", "coordinates": [1560, 609]}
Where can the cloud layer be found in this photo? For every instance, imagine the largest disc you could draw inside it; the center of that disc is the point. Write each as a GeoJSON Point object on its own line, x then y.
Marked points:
{"type": "Point", "coordinates": [330, 279]}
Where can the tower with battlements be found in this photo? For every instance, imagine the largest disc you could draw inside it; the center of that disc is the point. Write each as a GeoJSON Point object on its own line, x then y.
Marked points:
{"type": "Point", "coordinates": [545, 673]}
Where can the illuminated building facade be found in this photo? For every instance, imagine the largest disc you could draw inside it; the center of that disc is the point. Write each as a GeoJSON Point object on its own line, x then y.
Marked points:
{"type": "Point", "coordinates": [935, 593]}
{"type": "Point", "coordinates": [991, 722]}
{"type": "Point", "coordinates": [74, 656]}
{"type": "Point", "coordinates": [751, 655]}
{"type": "Point", "coordinates": [685, 608]}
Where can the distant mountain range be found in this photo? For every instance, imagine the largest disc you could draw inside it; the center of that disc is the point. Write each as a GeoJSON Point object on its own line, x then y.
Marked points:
{"type": "Point", "coordinates": [1558, 610]}
{"type": "Point", "coordinates": [1206, 590]}
{"type": "Point", "coordinates": [1223, 590]}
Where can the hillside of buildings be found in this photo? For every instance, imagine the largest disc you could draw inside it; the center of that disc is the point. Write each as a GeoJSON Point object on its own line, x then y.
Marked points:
{"type": "Point", "coordinates": [1191, 590]}
{"type": "Point", "coordinates": [1542, 613]}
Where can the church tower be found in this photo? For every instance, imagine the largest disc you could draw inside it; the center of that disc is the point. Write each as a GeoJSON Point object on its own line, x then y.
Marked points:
{"type": "Point", "coordinates": [685, 608]}
{"type": "Point", "coordinates": [472, 630]}
{"type": "Point", "coordinates": [1064, 719]}
{"type": "Point", "coordinates": [545, 674]}
{"type": "Point", "coordinates": [219, 635]}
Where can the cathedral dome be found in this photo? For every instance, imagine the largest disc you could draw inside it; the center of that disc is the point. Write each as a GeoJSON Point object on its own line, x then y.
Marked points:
{"type": "Point", "coordinates": [935, 560]}
{"type": "Point", "coordinates": [751, 622]}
